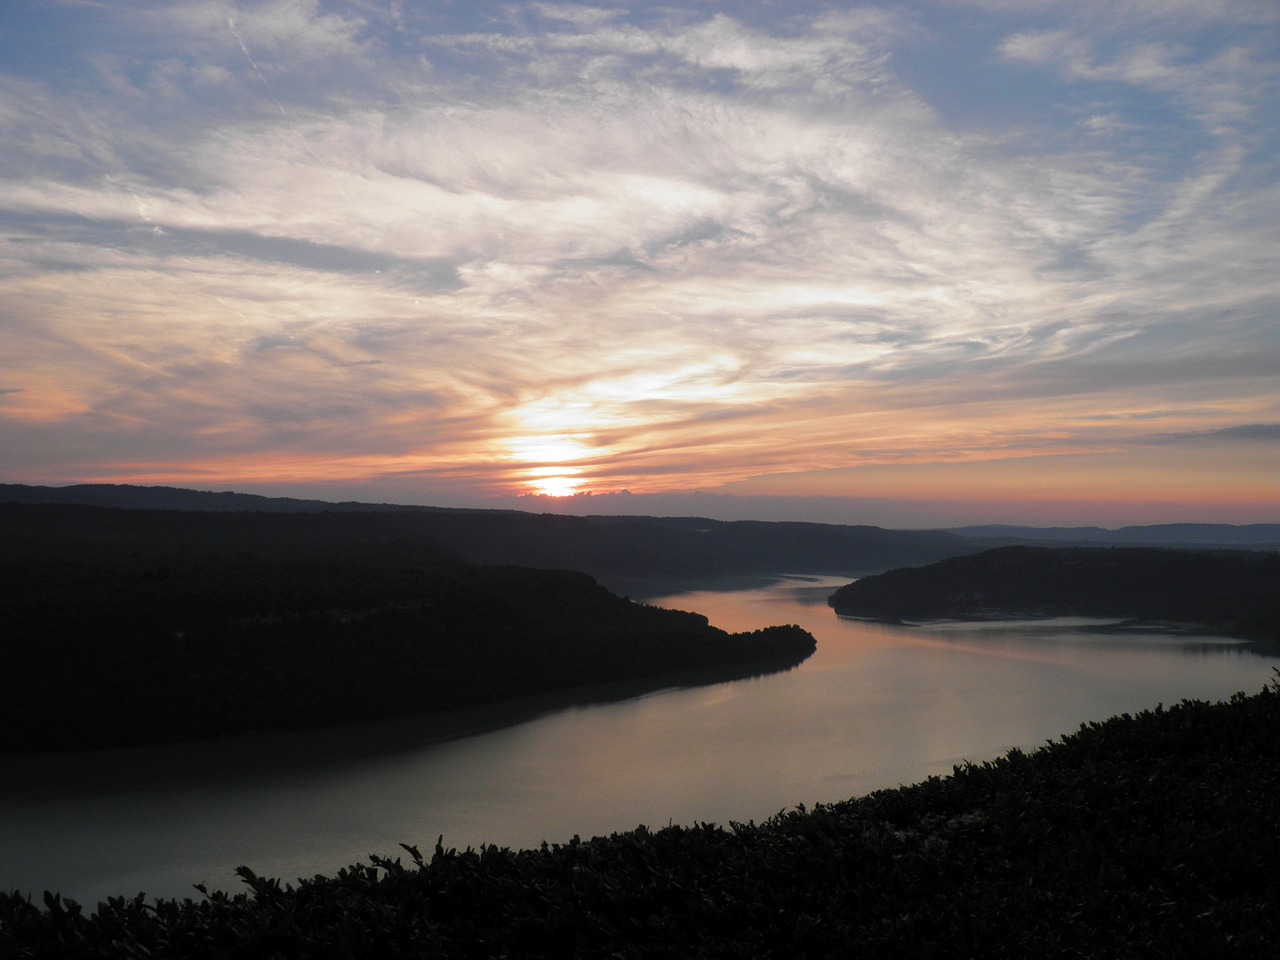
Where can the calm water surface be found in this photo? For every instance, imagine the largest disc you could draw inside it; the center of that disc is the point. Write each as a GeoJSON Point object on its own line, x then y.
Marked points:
{"type": "Point", "coordinates": [876, 706]}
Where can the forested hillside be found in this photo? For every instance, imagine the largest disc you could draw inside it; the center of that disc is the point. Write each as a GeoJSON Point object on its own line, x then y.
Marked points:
{"type": "Point", "coordinates": [621, 549]}
{"type": "Point", "coordinates": [126, 627]}
{"type": "Point", "coordinates": [1233, 592]}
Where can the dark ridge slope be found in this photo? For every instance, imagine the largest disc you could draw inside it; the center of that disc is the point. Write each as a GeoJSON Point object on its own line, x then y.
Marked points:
{"type": "Point", "coordinates": [605, 547]}
{"type": "Point", "coordinates": [1233, 592]}
{"type": "Point", "coordinates": [128, 496]}
{"type": "Point", "coordinates": [127, 627]}
{"type": "Point", "coordinates": [1250, 536]}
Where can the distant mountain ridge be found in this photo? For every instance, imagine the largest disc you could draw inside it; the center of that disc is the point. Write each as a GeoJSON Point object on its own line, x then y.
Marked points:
{"type": "Point", "coordinates": [629, 554]}
{"type": "Point", "coordinates": [132, 497]}
{"type": "Point", "coordinates": [1265, 536]}
{"type": "Point", "coordinates": [630, 551]}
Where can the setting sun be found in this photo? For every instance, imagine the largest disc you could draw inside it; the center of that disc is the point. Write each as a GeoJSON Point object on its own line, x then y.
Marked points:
{"type": "Point", "coordinates": [559, 486]}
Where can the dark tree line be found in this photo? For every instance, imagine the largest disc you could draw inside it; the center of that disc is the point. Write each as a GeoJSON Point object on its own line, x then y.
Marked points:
{"type": "Point", "coordinates": [610, 548]}
{"type": "Point", "coordinates": [1234, 592]}
{"type": "Point", "coordinates": [126, 627]}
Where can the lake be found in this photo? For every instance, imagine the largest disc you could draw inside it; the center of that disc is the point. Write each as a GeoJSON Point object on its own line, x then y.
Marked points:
{"type": "Point", "coordinates": [876, 706]}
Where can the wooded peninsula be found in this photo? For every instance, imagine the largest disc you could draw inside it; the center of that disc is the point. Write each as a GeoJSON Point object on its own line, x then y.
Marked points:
{"type": "Point", "coordinates": [1234, 593]}
{"type": "Point", "coordinates": [125, 627]}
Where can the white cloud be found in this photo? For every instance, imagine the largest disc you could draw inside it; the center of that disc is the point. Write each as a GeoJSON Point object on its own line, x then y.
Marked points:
{"type": "Point", "coordinates": [578, 16]}
{"type": "Point", "coordinates": [1050, 48]}
{"type": "Point", "coordinates": [295, 30]}
{"type": "Point", "coordinates": [1219, 87]}
{"type": "Point", "coordinates": [1107, 14]}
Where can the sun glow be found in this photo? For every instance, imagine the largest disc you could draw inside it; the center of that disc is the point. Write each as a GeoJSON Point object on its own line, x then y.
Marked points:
{"type": "Point", "coordinates": [548, 456]}
{"type": "Point", "coordinates": [557, 486]}
{"type": "Point", "coordinates": [550, 438]}
{"type": "Point", "coordinates": [557, 481]}
{"type": "Point", "coordinates": [558, 448]}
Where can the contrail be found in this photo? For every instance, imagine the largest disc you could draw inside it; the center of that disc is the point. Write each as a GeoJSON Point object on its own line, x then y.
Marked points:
{"type": "Point", "coordinates": [231, 25]}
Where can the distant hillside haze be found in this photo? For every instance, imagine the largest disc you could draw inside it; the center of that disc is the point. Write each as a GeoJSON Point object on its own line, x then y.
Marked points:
{"type": "Point", "coordinates": [1231, 592]}
{"type": "Point", "coordinates": [1259, 536]}
{"type": "Point", "coordinates": [609, 548]}
{"type": "Point", "coordinates": [635, 550]}
{"type": "Point", "coordinates": [134, 497]}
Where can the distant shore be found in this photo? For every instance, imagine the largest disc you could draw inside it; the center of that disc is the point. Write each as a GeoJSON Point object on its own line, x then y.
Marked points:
{"type": "Point", "coordinates": [1229, 593]}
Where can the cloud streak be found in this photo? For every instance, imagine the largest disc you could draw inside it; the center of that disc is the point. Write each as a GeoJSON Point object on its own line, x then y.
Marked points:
{"type": "Point", "coordinates": [567, 248]}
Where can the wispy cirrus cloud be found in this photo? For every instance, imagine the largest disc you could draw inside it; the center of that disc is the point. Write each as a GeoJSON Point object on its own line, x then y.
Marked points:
{"type": "Point", "coordinates": [646, 249]}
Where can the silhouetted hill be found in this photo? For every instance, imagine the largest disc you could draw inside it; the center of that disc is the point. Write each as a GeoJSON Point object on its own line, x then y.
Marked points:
{"type": "Point", "coordinates": [609, 548]}
{"type": "Point", "coordinates": [1256, 536]}
{"type": "Point", "coordinates": [1233, 592]}
{"type": "Point", "coordinates": [132, 497]}
{"type": "Point", "coordinates": [136, 626]}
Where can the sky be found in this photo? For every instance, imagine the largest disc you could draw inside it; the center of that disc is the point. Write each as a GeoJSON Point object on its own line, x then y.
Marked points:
{"type": "Point", "coordinates": [909, 264]}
